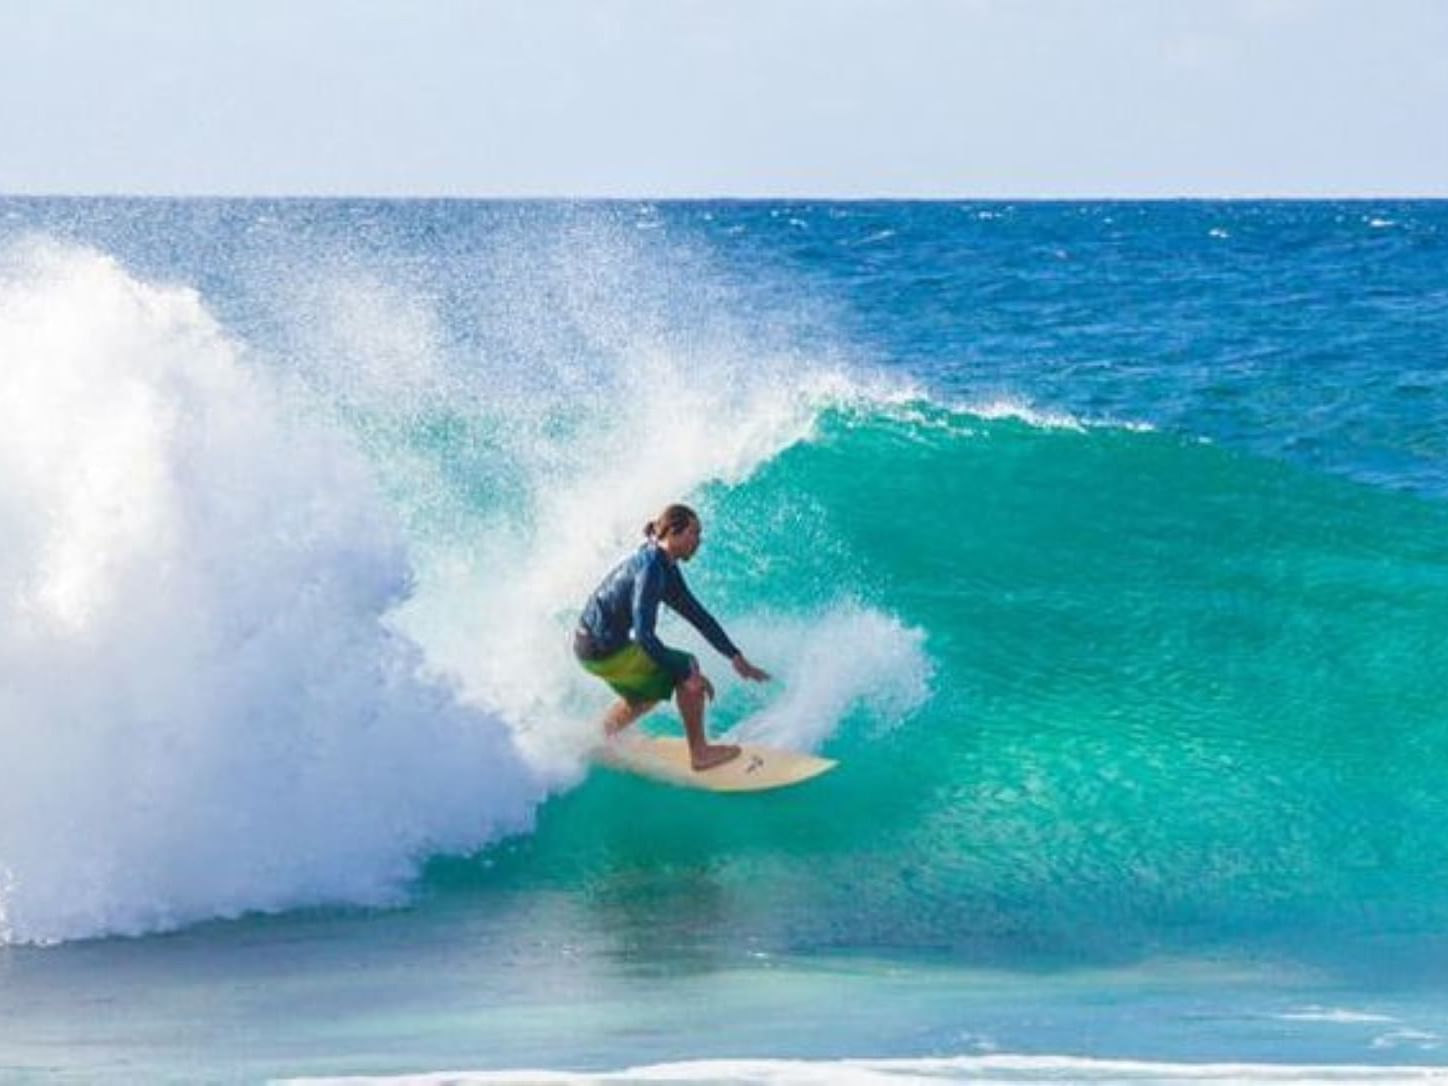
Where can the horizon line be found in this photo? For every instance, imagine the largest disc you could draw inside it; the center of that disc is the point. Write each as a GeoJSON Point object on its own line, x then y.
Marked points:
{"type": "Point", "coordinates": [1293, 197]}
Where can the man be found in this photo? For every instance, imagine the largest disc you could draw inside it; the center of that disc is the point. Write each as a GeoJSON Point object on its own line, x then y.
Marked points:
{"type": "Point", "coordinates": [616, 641]}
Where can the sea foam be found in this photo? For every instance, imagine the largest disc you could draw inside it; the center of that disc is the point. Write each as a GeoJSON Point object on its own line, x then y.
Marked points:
{"type": "Point", "coordinates": [849, 657]}
{"type": "Point", "coordinates": [202, 709]}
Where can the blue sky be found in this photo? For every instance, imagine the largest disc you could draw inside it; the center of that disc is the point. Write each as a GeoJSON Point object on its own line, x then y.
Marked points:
{"type": "Point", "coordinates": [728, 97]}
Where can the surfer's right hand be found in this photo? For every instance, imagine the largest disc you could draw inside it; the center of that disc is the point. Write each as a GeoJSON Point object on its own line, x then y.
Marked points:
{"type": "Point", "coordinates": [746, 670]}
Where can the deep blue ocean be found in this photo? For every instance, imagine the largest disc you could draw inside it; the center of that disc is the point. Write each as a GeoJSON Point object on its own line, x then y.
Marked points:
{"type": "Point", "coordinates": [1104, 544]}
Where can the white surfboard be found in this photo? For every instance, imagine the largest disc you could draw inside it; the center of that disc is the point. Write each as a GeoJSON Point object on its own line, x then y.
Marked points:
{"type": "Point", "coordinates": [757, 769]}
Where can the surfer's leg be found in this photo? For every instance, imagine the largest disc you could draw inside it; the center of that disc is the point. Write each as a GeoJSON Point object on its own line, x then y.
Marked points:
{"type": "Point", "coordinates": [702, 753]}
{"type": "Point", "coordinates": [623, 713]}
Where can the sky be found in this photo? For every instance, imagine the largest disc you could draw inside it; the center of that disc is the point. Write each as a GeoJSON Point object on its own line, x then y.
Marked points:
{"type": "Point", "coordinates": [707, 98]}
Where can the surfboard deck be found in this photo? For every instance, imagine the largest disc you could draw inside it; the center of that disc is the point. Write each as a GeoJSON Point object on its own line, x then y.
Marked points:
{"type": "Point", "coordinates": [666, 759]}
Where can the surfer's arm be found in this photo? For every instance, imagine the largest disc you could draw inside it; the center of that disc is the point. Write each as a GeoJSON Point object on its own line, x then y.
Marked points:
{"type": "Point", "coordinates": [648, 589]}
{"type": "Point", "coordinates": [682, 600]}
{"type": "Point", "coordinates": [692, 611]}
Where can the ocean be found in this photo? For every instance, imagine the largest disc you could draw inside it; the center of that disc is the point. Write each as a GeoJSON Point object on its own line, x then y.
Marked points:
{"type": "Point", "coordinates": [1104, 544]}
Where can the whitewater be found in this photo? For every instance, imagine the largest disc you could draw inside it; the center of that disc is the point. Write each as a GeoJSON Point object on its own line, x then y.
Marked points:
{"type": "Point", "coordinates": [1101, 543]}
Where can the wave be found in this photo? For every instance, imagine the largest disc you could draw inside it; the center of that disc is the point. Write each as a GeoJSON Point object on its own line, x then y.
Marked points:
{"type": "Point", "coordinates": [282, 620]}
{"type": "Point", "coordinates": [1135, 691]}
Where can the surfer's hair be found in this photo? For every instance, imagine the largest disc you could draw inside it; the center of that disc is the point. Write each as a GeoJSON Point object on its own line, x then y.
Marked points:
{"type": "Point", "coordinates": [674, 518]}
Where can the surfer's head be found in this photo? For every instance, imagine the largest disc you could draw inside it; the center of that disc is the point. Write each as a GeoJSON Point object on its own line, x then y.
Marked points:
{"type": "Point", "coordinates": [677, 530]}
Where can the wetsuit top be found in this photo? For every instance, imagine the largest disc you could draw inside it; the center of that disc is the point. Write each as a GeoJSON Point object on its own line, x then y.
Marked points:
{"type": "Point", "coordinates": [628, 601]}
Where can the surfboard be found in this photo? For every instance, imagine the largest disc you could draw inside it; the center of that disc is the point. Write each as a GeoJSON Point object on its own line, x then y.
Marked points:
{"type": "Point", "coordinates": [757, 769]}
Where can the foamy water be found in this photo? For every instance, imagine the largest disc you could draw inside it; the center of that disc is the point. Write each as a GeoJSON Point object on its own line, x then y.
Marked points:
{"type": "Point", "coordinates": [202, 709]}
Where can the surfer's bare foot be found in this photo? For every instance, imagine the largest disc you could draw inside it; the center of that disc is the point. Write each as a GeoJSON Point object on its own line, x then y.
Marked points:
{"type": "Point", "coordinates": [712, 755]}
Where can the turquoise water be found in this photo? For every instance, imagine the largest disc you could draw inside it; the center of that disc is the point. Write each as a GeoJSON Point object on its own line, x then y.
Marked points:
{"type": "Point", "coordinates": [1101, 543]}
{"type": "Point", "coordinates": [1179, 694]}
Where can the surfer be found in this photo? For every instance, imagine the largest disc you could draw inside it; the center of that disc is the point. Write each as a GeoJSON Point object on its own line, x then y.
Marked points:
{"type": "Point", "coordinates": [615, 639]}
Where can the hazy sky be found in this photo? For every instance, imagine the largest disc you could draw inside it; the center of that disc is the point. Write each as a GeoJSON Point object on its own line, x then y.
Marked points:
{"type": "Point", "coordinates": [725, 97]}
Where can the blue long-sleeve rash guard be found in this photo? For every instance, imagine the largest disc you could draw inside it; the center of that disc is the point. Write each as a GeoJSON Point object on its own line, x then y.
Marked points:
{"type": "Point", "coordinates": [628, 602]}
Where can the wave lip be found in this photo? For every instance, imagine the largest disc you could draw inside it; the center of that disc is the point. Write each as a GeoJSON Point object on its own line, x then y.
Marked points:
{"type": "Point", "coordinates": [1044, 419]}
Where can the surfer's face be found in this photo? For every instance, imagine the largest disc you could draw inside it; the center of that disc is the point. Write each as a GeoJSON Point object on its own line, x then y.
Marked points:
{"type": "Point", "coordinates": [687, 541]}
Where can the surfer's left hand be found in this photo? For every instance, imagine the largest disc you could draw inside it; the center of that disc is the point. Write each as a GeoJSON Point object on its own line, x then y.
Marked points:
{"type": "Point", "coordinates": [746, 670]}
